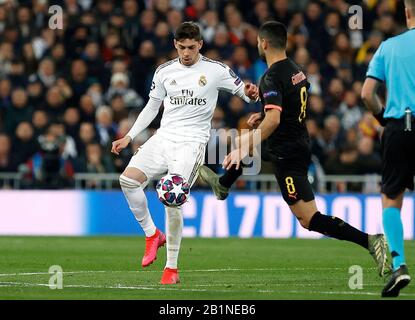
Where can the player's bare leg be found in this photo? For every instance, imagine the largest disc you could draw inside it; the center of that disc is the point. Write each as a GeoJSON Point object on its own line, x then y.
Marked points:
{"type": "Point", "coordinates": [392, 224]}
{"type": "Point", "coordinates": [131, 182]}
{"type": "Point", "coordinates": [311, 219]}
{"type": "Point", "coordinates": [174, 236]}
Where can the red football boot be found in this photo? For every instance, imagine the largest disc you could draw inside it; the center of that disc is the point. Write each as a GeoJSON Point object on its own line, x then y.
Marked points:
{"type": "Point", "coordinates": [170, 276]}
{"type": "Point", "coordinates": [152, 244]}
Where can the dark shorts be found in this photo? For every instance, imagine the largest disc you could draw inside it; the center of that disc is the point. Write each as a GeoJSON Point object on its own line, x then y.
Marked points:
{"type": "Point", "coordinates": [398, 155]}
{"type": "Point", "coordinates": [290, 164]}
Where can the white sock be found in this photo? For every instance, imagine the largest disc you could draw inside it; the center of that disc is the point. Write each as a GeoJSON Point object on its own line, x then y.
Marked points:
{"type": "Point", "coordinates": [174, 226]}
{"type": "Point", "coordinates": [138, 204]}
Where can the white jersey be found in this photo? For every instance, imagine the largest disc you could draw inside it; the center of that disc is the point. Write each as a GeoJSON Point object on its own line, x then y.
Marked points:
{"type": "Point", "coordinates": [190, 94]}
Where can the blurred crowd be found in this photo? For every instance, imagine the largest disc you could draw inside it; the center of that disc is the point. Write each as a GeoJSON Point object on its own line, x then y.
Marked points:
{"type": "Point", "coordinates": [66, 94]}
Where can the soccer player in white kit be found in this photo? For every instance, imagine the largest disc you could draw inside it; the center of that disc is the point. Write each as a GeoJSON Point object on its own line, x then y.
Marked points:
{"type": "Point", "coordinates": [188, 86]}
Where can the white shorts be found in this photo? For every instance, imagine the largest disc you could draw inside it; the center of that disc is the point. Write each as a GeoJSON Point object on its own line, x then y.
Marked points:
{"type": "Point", "coordinates": [159, 156]}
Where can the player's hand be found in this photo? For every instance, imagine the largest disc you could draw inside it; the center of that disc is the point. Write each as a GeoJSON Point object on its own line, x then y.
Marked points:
{"type": "Point", "coordinates": [380, 117]}
{"type": "Point", "coordinates": [234, 158]}
{"type": "Point", "coordinates": [254, 120]}
{"type": "Point", "coordinates": [251, 91]}
{"type": "Point", "coordinates": [120, 144]}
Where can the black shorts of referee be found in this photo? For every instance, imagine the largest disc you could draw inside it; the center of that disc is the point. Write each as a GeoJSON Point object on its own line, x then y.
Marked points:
{"type": "Point", "coordinates": [398, 153]}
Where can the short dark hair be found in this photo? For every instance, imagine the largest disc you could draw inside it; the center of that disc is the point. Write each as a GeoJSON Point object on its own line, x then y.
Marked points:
{"type": "Point", "coordinates": [188, 30]}
{"type": "Point", "coordinates": [275, 33]}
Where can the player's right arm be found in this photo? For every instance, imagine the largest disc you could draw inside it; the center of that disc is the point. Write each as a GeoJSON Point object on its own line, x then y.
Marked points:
{"type": "Point", "coordinates": [255, 120]}
{"type": "Point", "coordinates": [374, 76]}
{"type": "Point", "coordinates": [146, 116]}
{"type": "Point", "coordinates": [248, 142]}
{"type": "Point", "coordinates": [272, 96]}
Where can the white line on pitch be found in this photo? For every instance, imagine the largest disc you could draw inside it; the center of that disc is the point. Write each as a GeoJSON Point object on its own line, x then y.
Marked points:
{"type": "Point", "coordinates": [23, 284]}
{"type": "Point", "coordinates": [13, 284]}
{"type": "Point", "coordinates": [182, 271]}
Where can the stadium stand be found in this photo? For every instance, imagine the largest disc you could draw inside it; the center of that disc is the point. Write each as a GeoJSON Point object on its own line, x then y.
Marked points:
{"type": "Point", "coordinates": [66, 94]}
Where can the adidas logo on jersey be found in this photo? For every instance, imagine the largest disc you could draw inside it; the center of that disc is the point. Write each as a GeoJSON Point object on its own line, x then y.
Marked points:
{"type": "Point", "coordinates": [173, 83]}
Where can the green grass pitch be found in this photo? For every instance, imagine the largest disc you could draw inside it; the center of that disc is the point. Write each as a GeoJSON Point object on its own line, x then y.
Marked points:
{"type": "Point", "coordinates": [109, 268]}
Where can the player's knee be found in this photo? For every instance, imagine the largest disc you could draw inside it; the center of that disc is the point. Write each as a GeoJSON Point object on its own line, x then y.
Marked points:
{"type": "Point", "coordinates": [134, 194]}
{"type": "Point", "coordinates": [305, 223]}
{"type": "Point", "coordinates": [128, 183]}
{"type": "Point", "coordinates": [394, 200]}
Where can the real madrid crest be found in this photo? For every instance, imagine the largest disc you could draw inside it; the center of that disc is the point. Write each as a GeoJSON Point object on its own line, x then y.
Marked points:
{"type": "Point", "coordinates": [202, 81]}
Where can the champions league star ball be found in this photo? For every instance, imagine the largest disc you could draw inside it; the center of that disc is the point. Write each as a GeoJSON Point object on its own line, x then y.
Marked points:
{"type": "Point", "coordinates": [173, 190]}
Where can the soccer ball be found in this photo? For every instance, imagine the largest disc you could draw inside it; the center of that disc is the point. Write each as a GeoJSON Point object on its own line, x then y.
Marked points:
{"type": "Point", "coordinates": [173, 190]}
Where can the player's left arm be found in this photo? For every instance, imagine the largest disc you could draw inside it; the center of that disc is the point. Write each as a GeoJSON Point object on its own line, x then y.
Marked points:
{"type": "Point", "coordinates": [251, 139]}
{"type": "Point", "coordinates": [230, 82]}
{"type": "Point", "coordinates": [248, 92]}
